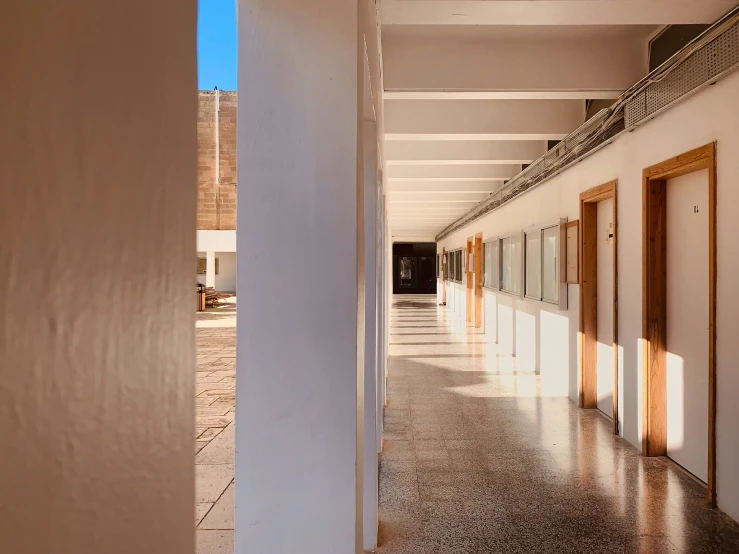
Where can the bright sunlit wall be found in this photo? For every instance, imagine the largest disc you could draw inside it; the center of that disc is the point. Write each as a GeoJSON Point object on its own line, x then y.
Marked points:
{"type": "Point", "coordinates": [539, 333]}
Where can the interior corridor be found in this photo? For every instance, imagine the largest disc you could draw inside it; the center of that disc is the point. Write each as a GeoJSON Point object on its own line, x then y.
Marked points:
{"type": "Point", "coordinates": [479, 461]}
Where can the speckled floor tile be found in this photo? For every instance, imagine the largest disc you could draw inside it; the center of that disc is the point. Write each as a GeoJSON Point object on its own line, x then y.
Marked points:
{"type": "Point", "coordinates": [480, 462]}
{"type": "Point", "coordinates": [216, 370]}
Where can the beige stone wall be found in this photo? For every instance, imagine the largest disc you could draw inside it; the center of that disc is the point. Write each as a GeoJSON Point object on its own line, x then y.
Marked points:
{"type": "Point", "coordinates": [216, 174]}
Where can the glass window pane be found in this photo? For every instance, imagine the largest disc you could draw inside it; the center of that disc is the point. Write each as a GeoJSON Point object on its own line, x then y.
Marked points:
{"type": "Point", "coordinates": [507, 264]}
{"type": "Point", "coordinates": [491, 264]}
{"type": "Point", "coordinates": [533, 264]}
{"type": "Point", "coordinates": [516, 257]}
{"type": "Point", "coordinates": [487, 264]}
{"type": "Point", "coordinates": [495, 266]}
{"type": "Point", "coordinates": [550, 284]}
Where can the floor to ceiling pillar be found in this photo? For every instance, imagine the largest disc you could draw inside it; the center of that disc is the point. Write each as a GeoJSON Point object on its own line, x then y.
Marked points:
{"type": "Point", "coordinates": [300, 332]}
{"type": "Point", "coordinates": [97, 321]}
{"type": "Point", "coordinates": [370, 492]}
{"type": "Point", "coordinates": [381, 352]}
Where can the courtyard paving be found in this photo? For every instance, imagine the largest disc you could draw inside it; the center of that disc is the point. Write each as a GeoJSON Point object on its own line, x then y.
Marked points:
{"type": "Point", "coordinates": [214, 433]}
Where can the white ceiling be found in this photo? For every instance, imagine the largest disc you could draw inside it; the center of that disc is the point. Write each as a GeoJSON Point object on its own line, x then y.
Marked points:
{"type": "Point", "coordinates": [552, 12]}
{"type": "Point", "coordinates": [520, 32]}
{"type": "Point", "coordinates": [475, 88]}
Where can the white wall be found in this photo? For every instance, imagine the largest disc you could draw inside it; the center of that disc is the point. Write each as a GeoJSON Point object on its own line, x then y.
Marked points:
{"type": "Point", "coordinates": [97, 322]}
{"type": "Point", "coordinates": [226, 278]}
{"type": "Point", "coordinates": [216, 241]}
{"type": "Point", "coordinates": [708, 116]}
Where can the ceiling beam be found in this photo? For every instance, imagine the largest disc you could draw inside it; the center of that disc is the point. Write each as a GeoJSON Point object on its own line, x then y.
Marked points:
{"type": "Point", "coordinates": [450, 66]}
{"type": "Point", "coordinates": [397, 209]}
{"type": "Point", "coordinates": [481, 119]}
{"type": "Point", "coordinates": [602, 94]}
{"type": "Point", "coordinates": [454, 172]}
{"type": "Point", "coordinates": [443, 187]}
{"type": "Point", "coordinates": [395, 216]}
{"type": "Point", "coordinates": [552, 12]}
{"type": "Point", "coordinates": [416, 226]}
{"type": "Point", "coordinates": [462, 153]}
{"type": "Point", "coordinates": [438, 197]}
{"type": "Point", "coordinates": [402, 237]}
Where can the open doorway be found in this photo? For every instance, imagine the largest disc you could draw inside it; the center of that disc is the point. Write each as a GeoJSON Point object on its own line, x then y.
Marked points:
{"type": "Point", "coordinates": [413, 268]}
{"type": "Point", "coordinates": [679, 314]}
{"type": "Point", "coordinates": [598, 301]}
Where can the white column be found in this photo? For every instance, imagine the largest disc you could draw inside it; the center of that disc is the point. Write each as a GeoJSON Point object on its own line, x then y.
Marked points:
{"type": "Point", "coordinates": [370, 492]}
{"type": "Point", "coordinates": [380, 360]}
{"type": "Point", "coordinates": [96, 403]}
{"type": "Point", "coordinates": [210, 269]}
{"type": "Point", "coordinates": [388, 298]}
{"type": "Point", "coordinates": [300, 338]}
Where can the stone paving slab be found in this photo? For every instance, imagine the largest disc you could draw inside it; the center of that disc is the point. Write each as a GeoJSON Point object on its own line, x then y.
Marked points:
{"type": "Point", "coordinates": [214, 431]}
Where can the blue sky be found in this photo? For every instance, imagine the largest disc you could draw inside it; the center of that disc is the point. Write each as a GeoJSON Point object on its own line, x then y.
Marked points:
{"type": "Point", "coordinates": [217, 44]}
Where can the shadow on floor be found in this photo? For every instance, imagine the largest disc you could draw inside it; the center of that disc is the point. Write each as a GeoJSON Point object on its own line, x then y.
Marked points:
{"type": "Point", "coordinates": [475, 462]}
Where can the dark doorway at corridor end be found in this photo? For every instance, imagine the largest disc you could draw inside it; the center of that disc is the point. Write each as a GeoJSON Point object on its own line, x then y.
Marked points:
{"type": "Point", "coordinates": [414, 268]}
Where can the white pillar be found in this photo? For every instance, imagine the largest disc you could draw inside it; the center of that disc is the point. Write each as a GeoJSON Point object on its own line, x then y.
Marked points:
{"type": "Point", "coordinates": [370, 492]}
{"type": "Point", "coordinates": [97, 417]}
{"type": "Point", "coordinates": [388, 298]}
{"type": "Point", "coordinates": [210, 269]}
{"type": "Point", "coordinates": [300, 337]}
{"type": "Point", "coordinates": [379, 373]}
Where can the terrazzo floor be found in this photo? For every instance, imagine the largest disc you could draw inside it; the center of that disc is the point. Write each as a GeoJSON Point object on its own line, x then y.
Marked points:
{"type": "Point", "coordinates": [477, 460]}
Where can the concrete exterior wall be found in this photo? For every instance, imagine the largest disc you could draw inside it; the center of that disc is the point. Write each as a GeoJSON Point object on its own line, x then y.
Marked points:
{"type": "Point", "coordinates": [694, 122]}
{"type": "Point", "coordinates": [216, 241]}
{"type": "Point", "coordinates": [216, 173]}
{"type": "Point", "coordinates": [97, 326]}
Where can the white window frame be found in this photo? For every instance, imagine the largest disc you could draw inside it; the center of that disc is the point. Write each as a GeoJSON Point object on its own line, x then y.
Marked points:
{"type": "Point", "coordinates": [512, 236]}
{"type": "Point", "coordinates": [496, 263]}
{"type": "Point", "coordinates": [460, 265]}
{"type": "Point", "coordinates": [561, 287]}
{"type": "Point", "coordinates": [558, 268]}
{"type": "Point", "coordinates": [560, 264]}
{"type": "Point", "coordinates": [527, 233]}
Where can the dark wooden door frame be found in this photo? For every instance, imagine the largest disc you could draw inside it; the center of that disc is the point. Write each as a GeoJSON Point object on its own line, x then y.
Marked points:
{"type": "Point", "coordinates": [588, 269]}
{"type": "Point", "coordinates": [654, 295]}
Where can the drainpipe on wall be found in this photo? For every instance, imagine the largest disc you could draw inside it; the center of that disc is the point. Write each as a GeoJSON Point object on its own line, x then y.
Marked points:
{"type": "Point", "coordinates": [218, 158]}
